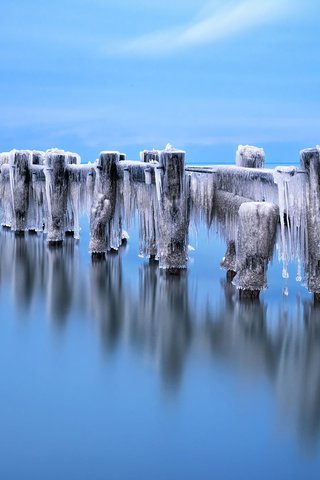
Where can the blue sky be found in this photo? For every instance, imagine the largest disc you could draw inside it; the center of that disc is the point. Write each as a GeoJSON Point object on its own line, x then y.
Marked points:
{"type": "Point", "coordinates": [204, 75]}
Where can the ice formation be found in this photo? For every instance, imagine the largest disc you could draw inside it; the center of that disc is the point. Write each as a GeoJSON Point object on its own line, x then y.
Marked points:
{"type": "Point", "coordinates": [48, 191]}
{"type": "Point", "coordinates": [256, 184]}
{"type": "Point", "coordinates": [292, 199]}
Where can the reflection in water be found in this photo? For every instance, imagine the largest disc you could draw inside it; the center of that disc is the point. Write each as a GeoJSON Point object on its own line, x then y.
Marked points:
{"type": "Point", "coordinates": [108, 299]}
{"type": "Point", "coordinates": [162, 317]}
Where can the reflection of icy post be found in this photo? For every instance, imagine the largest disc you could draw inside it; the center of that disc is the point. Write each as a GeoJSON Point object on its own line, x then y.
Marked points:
{"type": "Point", "coordinates": [250, 157]}
{"type": "Point", "coordinates": [104, 199]}
{"type": "Point", "coordinates": [256, 236]}
{"type": "Point", "coordinates": [229, 260]}
{"type": "Point", "coordinates": [310, 161]}
{"type": "Point", "coordinates": [173, 211]}
{"type": "Point", "coordinates": [149, 156]}
{"type": "Point", "coordinates": [57, 193]}
{"type": "Point", "coordinates": [20, 182]}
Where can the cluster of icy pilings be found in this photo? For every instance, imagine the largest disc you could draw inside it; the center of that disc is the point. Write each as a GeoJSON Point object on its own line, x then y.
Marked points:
{"type": "Point", "coordinates": [41, 191]}
{"type": "Point", "coordinates": [221, 195]}
{"type": "Point", "coordinates": [46, 191]}
{"type": "Point", "coordinates": [253, 208]}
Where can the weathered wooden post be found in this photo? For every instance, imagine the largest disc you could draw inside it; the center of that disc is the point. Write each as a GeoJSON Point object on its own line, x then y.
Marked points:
{"type": "Point", "coordinates": [104, 201]}
{"type": "Point", "coordinates": [173, 211]}
{"type": "Point", "coordinates": [255, 242]}
{"type": "Point", "coordinates": [20, 182]}
{"type": "Point", "coordinates": [250, 157]}
{"type": "Point", "coordinates": [310, 161]}
{"type": "Point", "coordinates": [57, 193]}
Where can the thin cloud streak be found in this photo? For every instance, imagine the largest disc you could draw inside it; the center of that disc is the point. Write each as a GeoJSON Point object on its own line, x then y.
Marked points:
{"type": "Point", "coordinates": [210, 26]}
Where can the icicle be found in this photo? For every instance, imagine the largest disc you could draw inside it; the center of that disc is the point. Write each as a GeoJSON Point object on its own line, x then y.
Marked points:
{"type": "Point", "coordinates": [253, 183]}
{"type": "Point", "coordinates": [292, 200]}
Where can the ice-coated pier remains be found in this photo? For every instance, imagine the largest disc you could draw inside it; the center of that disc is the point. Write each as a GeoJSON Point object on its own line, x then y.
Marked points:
{"type": "Point", "coordinates": [254, 209]}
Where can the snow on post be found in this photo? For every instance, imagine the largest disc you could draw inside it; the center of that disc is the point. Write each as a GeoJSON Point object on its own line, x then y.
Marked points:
{"type": "Point", "coordinates": [56, 193]}
{"type": "Point", "coordinates": [173, 210]}
{"type": "Point", "coordinates": [310, 161]}
{"type": "Point", "coordinates": [104, 202]}
{"type": "Point", "coordinates": [255, 242]}
{"type": "Point", "coordinates": [250, 157]}
{"type": "Point", "coordinates": [19, 181]}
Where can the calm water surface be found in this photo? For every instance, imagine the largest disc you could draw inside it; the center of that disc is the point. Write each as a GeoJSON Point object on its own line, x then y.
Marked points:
{"type": "Point", "coordinates": [111, 370]}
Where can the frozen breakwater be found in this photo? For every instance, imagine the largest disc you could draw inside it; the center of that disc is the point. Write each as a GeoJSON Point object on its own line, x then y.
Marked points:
{"type": "Point", "coordinates": [254, 209]}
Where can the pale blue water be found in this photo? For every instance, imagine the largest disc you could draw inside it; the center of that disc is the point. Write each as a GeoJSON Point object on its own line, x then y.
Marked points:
{"type": "Point", "coordinates": [109, 370]}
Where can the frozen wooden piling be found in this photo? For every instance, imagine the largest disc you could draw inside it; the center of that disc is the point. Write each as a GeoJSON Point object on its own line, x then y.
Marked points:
{"type": "Point", "coordinates": [20, 180]}
{"type": "Point", "coordinates": [173, 211]}
{"type": "Point", "coordinates": [255, 243]}
{"type": "Point", "coordinates": [56, 193]}
{"type": "Point", "coordinates": [104, 201]}
{"type": "Point", "coordinates": [310, 161]}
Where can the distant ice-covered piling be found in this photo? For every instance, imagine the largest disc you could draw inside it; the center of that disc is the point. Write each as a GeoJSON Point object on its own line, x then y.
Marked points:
{"type": "Point", "coordinates": [250, 157]}
{"type": "Point", "coordinates": [150, 156]}
{"type": "Point", "coordinates": [255, 243]}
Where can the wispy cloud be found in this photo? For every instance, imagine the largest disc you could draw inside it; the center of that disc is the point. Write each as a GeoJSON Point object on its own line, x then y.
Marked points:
{"type": "Point", "coordinates": [212, 24]}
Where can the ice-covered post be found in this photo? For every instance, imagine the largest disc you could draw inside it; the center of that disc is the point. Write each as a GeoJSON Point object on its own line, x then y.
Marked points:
{"type": "Point", "coordinates": [255, 242]}
{"type": "Point", "coordinates": [20, 182]}
{"type": "Point", "coordinates": [173, 211]}
{"type": "Point", "coordinates": [57, 194]}
{"type": "Point", "coordinates": [250, 157]}
{"type": "Point", "coordinates": [104, 199]}
{"type": "Point", "coordinates": [310, 161]}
